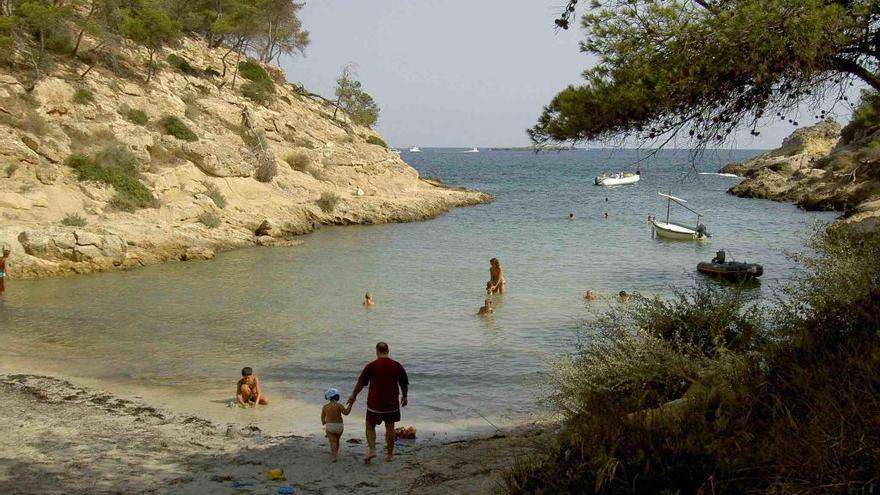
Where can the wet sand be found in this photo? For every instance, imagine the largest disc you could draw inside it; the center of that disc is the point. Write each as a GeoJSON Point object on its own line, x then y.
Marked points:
{"type": "Point", "coordinates": [63, 438]}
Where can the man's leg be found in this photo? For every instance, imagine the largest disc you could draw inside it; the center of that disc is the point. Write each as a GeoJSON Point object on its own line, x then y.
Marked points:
{"type": "Point", "coordinates": [371, 441]}
{"type": "Point", "coordinates": [390, 436]}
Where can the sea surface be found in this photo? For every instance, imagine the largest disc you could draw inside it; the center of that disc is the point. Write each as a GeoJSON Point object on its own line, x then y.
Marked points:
{"type": "Point", "coordinates": [178, 334]}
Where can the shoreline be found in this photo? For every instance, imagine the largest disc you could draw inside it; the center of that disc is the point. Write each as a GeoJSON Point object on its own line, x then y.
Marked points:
{"type": "Point", "coordinates": [433, 199]}
{"type": "Point", "coordinates": [71, 439]}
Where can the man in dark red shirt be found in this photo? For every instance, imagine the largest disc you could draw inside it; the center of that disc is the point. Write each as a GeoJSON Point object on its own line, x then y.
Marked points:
{"type": "Point", "coordinates": [384, 376]}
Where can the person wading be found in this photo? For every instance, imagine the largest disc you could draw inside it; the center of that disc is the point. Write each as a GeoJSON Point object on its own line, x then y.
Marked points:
{"type": "Point", "coordinates": [384, 400]}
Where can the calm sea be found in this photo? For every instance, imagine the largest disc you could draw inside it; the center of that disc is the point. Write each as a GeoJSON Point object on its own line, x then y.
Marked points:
{"type": "Point", "coordinates": [178, 334]}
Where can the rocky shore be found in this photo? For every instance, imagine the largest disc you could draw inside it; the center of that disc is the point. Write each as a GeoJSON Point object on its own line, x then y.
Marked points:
{"type": "Point", "coordinates": [63, 438]}
{"type": "Point", "coordinates": [818, 169]}
{"type": "Point", "coordinates": [205, 190]}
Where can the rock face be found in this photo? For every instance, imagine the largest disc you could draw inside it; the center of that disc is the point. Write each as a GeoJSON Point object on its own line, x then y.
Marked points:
{"type": "Point", "coordinates": [196, 182]}
{"type": "Point", "coordinates": [817, 170]}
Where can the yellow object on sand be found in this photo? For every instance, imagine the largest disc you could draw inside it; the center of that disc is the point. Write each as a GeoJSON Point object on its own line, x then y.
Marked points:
{"type": "Point", "coordinates": [276, 475]}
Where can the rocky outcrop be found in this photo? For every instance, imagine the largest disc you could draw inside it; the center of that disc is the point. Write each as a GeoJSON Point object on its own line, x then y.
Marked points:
{"type": "Point", "coordinates": [817, 170]}
{"type": "Point", "coordinates": [207, 194]}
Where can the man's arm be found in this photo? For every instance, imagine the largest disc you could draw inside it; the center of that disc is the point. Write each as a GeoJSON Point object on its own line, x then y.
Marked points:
{"type": "Point", "coordinates": [363, 380]}
{"type": "Point", "coordinates": [403, 381]}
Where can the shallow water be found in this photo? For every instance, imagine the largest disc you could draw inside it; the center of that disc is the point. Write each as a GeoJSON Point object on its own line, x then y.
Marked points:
{"type": "Point", "coordinates": [179, 333]}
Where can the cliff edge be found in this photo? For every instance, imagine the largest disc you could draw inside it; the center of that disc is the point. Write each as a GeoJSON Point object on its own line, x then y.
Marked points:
{"type": "Point", "coordinates": [822, 167]}
{"type": "Point", "coordinates": [103, 171]}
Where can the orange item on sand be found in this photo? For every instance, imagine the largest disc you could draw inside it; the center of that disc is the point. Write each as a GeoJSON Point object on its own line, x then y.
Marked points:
{"type": "Point", "coordinates": [406, 433]}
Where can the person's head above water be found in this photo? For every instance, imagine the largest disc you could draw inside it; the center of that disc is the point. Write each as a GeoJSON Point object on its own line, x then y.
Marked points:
{"type": "Point", "coordinates": [247, 371]}
{"type": "Point", "coordinates": [382, 349]}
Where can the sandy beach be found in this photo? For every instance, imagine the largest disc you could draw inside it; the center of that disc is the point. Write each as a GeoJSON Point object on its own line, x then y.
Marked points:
{"type": "Point", "coordinates": [63, 438]}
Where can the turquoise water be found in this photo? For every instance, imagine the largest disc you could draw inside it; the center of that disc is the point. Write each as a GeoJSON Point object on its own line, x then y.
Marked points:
{"type": "Point", "coordinates": [180, 332]}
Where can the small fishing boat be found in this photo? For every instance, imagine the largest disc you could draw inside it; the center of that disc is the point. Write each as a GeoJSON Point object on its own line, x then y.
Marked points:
{"type": "Point", "coordinates": [733, 271]}
{"type": "Point", "coordinates": [415, 149]}
{"type": "Point", "coordinates": [677, 231]}
{"type": "Point", "coordinates": [620, 179]}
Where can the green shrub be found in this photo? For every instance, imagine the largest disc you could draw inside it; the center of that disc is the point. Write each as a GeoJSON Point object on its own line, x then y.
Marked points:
{"type": "Point", "coordinates": [216, 196]}
{"type": "Point", "coordinates": [298, 161]}
{"type": "Point", "coordinates": [182, 65]}
{"type": "Point", "coordinates": [116, 166]}
{"type": "Point", "coordinates": [83, 96]}
{"type": "Point", "coordinates": [328, 201]}
{"type": "Point", "coordinates": [259, 87]}
{"type": "Point", "coordinates": [10, 169]}
{"type": "Point", "coordinates": [136, 116]}
{"type": "Point", "coordinates": [371, 139]}
{"type": "Point", "coordinates": [74, 220]}
{"type": "Point", "coordinates": [173, 126]}
{"type": "Point", "coordinates": [209, 219]}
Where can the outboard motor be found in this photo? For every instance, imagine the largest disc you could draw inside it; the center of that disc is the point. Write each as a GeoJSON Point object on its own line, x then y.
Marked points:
{"type": "Point", "coordinates": [719, 258]}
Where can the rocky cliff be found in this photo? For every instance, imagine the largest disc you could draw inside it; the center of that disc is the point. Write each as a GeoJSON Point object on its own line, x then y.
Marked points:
{"type": "Point", "coordinates": [64, 215]}
{"type": "Point", "coordinates": [818, 170]}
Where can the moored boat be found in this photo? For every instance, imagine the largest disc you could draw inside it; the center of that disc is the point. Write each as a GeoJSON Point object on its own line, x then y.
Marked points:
{"type": "Point", "coordinates": [677, 231]}
{"type": "Point", "coordinates": [617, 179]}
{"type": "Point", "coordinates": [734, 271]}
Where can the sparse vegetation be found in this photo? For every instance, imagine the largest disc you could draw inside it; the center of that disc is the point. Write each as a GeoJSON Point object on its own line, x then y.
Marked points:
{"type": "Point", "coordinates": [299, 161]}
{"type": "Point", "coordinates": [216, 196]}
{"type": "Point", "coordinates": [10, 169]}
{"type": "Point", "coordinates": [259, 87]}
{"type": "Point", "coordinates": [116, 166]}
{"type": "Point", "coordinates": [687, 395]}
{"type": "Point", "coordinates": [74, 220]}
{"type": "Point", "coordinates": [83, 96]}
{"type": "Point", "coordinates": [328, 201]}
{"type": "Point", "coordinates": [173, 126]}
{"type": "Point", "coordinates": [371, 139]}
{"type": "Point", "coordinates": [135, 116]}
{"type": "Point", "coordinates": [209, 219]}
{"type": "Point", "coordinates": [182, 65]}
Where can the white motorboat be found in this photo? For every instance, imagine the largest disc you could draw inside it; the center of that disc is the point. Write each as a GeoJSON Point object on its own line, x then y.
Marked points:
{"type": "Point", "coordinates": [415, 149]}
{"type": "Point", "coordinates": [620, 179]}
{"type": "Point", "coordinates": [677, 231]}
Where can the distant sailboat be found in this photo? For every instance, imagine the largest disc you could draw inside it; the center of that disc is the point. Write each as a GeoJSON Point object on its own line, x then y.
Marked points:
{"type": "Point", "coordinates": [415, 149]}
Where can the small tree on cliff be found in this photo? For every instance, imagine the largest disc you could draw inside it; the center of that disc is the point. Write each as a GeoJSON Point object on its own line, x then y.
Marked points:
{"type": "Point", "coordinates": [710, 67]}
{"type": "Point", "coordinates": [153, 29]}
{"type": "Point", "coordinates": [356, 102]}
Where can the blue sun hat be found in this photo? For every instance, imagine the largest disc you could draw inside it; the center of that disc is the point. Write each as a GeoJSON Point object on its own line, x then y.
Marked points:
{"type": "Point", "coordinates": [331, 393]}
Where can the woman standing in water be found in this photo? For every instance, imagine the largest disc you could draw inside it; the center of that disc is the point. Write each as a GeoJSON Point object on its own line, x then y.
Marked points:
{"type": "Point", "coordinates": [496, 277]}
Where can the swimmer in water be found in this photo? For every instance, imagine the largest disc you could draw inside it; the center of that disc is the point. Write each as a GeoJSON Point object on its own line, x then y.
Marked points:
{"type": "Point", "coordinates": [368, 300]}
{"type": "Point", "coordinates": [486, 309]}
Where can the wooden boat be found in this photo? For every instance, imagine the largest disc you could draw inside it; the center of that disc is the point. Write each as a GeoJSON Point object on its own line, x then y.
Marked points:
{"type": "Point", "coordinates": [734, 271]}
{"type": "Point", "coordinates": [617, 179]}
{"type": "Point", "coordinates": [677, 231]}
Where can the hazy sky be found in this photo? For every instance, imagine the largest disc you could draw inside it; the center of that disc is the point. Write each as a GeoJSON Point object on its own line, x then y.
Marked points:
{"type": "Point", "coordinates": [454, 72]}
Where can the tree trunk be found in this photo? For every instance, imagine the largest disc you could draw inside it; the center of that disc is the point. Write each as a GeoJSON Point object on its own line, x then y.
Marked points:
{"type": "Point", "coordinates": [150, 68]}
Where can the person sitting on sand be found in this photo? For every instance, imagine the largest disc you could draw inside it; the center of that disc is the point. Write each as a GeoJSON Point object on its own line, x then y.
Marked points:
{"type": "Point", "coordinates": [623, 297]}
{"type": "Point", "coordinates": [331, 418]}
{"type": "Point", "coordinates": [3, 261]}
{"type": "Point", "coordinates": [384, 376]}
{"type": "Point", "coordinates": [496, 277]}
{"type": "Point", "coordinates": [486, 309]}
{"type": "Point", "coordinates": [589, 295]}
{"type": "Point", "coordinates": [368, 300]}
{"type": "Point", "coordinates": [249, 392]}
